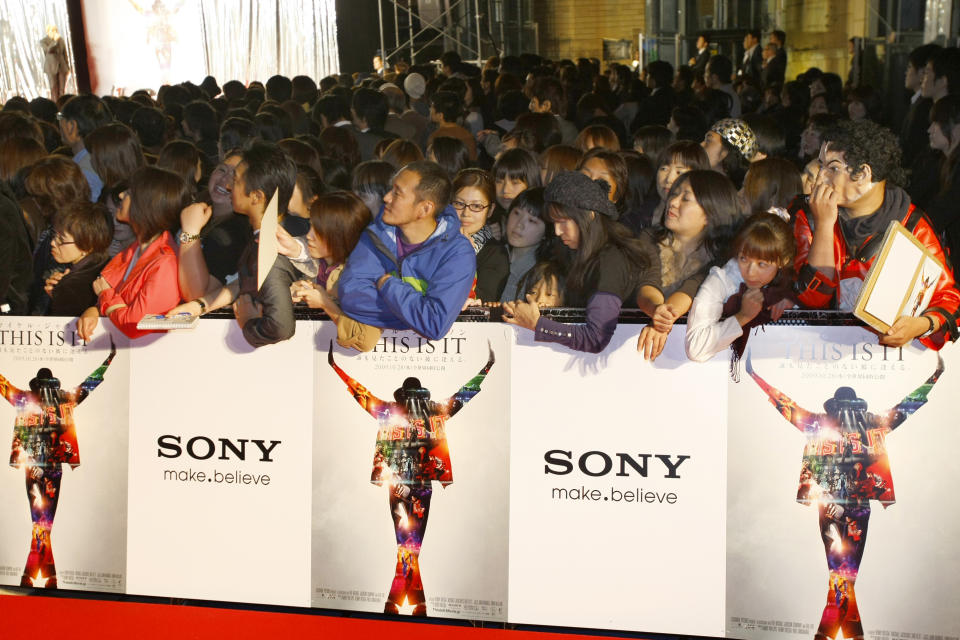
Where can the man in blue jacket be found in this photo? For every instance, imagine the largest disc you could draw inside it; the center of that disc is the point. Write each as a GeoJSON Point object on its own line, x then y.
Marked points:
{"type": "Point", "coordinates": [412, 268]}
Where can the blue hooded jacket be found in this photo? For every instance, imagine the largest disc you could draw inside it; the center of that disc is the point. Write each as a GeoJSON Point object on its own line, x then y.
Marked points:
{"type": "Point", "coordinates": [432, 282]}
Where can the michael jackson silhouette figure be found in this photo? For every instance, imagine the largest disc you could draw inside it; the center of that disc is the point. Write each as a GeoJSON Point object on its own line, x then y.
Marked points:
{"type": "Point", "coordinates": [845, 466]}
{"type": "Point", "coordinates": [411, 453]}
{"type": "Point", "coordinates": [45, 437]}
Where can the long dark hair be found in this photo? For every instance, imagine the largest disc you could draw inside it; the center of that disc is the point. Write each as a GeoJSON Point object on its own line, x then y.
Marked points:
{"type": "Point", "coordinates": [718, 197]}
{"type": "Point", "coordinates": [597, 231]}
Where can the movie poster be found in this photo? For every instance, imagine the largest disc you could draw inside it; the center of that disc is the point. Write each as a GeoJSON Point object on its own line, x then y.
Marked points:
{"type": "Point", "coordinates": [220, 466]}
{"type": "Point", "coordinates": [64, 416]}
{"type": "Point", "coordinates": [842, 520]}
{"type": "Point", "coordinates": [617, 497]}
{"type": "Point", "coordinates": [415, 431]}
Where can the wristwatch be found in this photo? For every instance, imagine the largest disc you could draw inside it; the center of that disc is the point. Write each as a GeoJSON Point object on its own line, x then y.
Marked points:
{"type": "Point", "coordinates": [203, 305]}
{"type": "Point", "coordinates": [186, 238]}
{"type": "Point", "coordinates": [929, 331]}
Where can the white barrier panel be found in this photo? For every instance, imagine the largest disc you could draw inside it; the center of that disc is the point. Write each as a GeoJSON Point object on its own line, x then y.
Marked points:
{"type": "Point", "coordinates": [569, 489]}
{"type": "Point", "coordinates": [617, 488]}
{"type": "Point", "coordinates": [220, 466]}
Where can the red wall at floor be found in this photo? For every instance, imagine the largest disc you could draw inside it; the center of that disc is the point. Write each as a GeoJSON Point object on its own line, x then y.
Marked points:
{"type": "Point", "coordinates": [27, 616]}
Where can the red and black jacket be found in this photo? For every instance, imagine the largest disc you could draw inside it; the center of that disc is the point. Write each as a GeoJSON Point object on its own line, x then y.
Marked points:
{"type": "Point", "coordinates": [818, 290]}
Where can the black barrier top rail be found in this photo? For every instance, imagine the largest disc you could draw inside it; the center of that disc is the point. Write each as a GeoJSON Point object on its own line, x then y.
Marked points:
{"type": "Point", "coordinates": [792, 317]}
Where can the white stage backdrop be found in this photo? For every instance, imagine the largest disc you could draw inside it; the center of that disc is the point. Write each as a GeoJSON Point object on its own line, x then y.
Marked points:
{"type": "Point", "coordinates": [143, 44]}
{"type": "Point", "coordinates": [595, 491]}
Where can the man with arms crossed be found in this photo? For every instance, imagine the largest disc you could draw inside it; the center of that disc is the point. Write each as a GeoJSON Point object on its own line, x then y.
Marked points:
{"type": "Point", "coordinates": [412, 268]}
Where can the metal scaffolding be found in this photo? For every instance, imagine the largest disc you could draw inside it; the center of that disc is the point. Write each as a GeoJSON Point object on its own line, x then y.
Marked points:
{"type": "Point", "coordinates": [422, 27]}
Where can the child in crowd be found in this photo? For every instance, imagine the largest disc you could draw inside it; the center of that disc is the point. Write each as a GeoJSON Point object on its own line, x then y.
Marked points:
{"type": "Point", "coordinates": [603, 272]}
{"type": "Point", "coordinates": [544, 283]}
{"type": "Point", "coordinates": [751, 289]}
{"type": "Point", "coordinates": [701, 209]}
{"type": "Point", "coordinates": [141, 279]}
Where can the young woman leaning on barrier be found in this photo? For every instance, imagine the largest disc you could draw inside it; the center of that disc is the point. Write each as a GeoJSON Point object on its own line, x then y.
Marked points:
{"type": "Point", "coordinates": [602, 274]}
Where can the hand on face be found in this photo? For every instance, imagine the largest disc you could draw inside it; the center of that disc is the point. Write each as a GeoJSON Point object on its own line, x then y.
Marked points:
{"type": "Point", "coordinates": [751, 304]}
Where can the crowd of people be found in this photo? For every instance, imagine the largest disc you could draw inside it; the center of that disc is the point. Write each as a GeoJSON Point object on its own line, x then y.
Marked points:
{"type": "Point", "coordinates": [717, 191]}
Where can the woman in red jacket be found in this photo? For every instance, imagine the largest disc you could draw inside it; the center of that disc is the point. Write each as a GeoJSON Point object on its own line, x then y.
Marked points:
{"type": "Point", "coordinates": [142, 279]}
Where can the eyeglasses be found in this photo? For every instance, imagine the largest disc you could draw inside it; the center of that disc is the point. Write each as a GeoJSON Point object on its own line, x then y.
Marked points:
{"type": "Point", "coordinates": [59, 240]}
{"type": "Point", "coordinates": [476, 207]}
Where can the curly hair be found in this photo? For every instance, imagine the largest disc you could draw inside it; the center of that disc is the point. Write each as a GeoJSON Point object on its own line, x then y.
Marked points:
{"type": "Point", "coordinates": [866, 143]}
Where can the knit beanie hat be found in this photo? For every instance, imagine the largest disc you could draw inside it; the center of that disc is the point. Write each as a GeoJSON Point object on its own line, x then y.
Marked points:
{"type": "Point", "coordinates": [739, 134]}
{"type": "Point", "coordinates": [573, 189]}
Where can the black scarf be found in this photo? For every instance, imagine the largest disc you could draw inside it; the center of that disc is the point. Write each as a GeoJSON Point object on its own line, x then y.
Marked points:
{"type": "Point", "coordinates": [771, 296]}
{"type": "Point", "coordinates": [857, 231]}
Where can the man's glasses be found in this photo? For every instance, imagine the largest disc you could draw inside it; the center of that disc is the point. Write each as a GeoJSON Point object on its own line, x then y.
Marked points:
{"type": "Point", "coordinates": [476, 207]}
